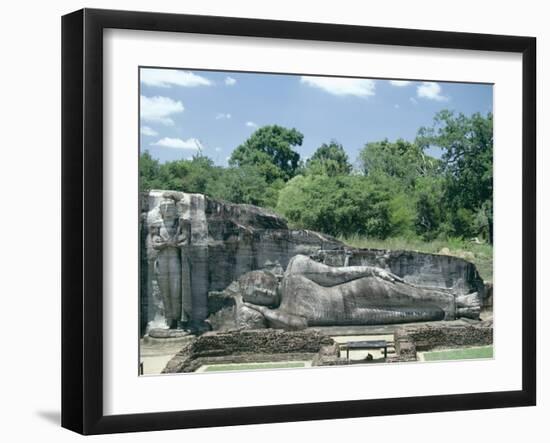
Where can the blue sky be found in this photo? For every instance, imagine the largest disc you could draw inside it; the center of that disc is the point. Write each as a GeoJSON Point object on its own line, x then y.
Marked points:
{"type": "Point", "coordinates": [182, 111]}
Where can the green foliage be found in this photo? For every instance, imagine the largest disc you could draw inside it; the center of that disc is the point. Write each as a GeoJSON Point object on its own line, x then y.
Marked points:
{"type": "Point", "coordinates": [329, 160]}
{"type": "Point", "coordinates": [200, 175]}
{"type": "Point", "coordinates": [398, 191]}
{"type": "Point", "coordinates": [401, 160]}
{"type": "Point", "coordinates": [402, 215]}
{"type": "Point", "coordinates": [467, 164]}
{"type": "Point", "coordinates": [245, 185]}
{"type": "Point", "coordinates": [336, 205]}
{"type": "Point", "coordinates": [429, 219]}
{"type": "Point", "coordinates": [270, 149]}
{"type": "Point", "coordinates": [149, 173]}
{"type": "Point", "coordinates": [190, 175]}
{"type": "Point", "coordinates": [181, 175]}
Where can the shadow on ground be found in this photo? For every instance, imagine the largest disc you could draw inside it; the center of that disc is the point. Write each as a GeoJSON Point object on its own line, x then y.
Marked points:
{"type": "Point", "coordinates": [54, 417]}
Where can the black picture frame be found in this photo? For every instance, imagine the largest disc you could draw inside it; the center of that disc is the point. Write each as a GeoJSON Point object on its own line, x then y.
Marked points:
{"type": "Point", "coordinates": [82, 218]}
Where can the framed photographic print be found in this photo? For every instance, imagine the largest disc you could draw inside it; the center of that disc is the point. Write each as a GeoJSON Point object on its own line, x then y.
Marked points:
{"type": "Point", "coordinates": [269, 221]}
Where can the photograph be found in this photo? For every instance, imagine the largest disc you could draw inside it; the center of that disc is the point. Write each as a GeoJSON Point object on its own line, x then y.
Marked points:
{"type": "Point", "coordinates": [269, 222]}
{"type": "Point", "coordinates": [291, 220]}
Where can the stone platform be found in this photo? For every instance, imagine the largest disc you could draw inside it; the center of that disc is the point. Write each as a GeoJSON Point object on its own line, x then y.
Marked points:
{"type": "Point", "coordinates": [384, 329]}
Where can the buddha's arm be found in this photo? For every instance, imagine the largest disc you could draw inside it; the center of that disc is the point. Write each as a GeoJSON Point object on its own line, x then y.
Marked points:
{"type": "Point", "coordinates": [332, 276]}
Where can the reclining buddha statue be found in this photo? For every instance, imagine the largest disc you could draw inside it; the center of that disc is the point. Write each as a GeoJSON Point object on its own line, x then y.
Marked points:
{"type": "Point", "coordinates": [314, 294]}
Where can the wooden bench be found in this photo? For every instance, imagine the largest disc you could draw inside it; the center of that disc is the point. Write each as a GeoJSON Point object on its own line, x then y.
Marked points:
{"type": "Point", "coordinates": [366, 345]}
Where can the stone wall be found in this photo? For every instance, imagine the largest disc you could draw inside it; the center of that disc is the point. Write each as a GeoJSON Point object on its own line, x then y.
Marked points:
{"type": "Point", "coordinates": [410, 340]}
{"type": "Point", "coordinates": [269, 345]}
{"type": "Point", "coordinates": [228, 240]}
{"type": "Point", "coordinates": [245, 346]}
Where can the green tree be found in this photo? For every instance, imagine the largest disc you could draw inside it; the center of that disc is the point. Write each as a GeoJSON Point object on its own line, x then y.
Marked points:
{"type": "Point", "coordinates": [270, 149]}
{"type": "Point", "coordinates": [430, 213]}
{"type": "Point", "coordinates": [405, 171]}
{"type": "Point", "coordinates": [340, 205]}
{"type": "Point", "coordinates": [398, 200]}
{"type": "Point", "coordinates": [402, 160]}
{"type": "Point", "coordinates": [189, 175]}
{"type": "Point", "coordinates": [329, 160]}
{"type": "Point", "coordinates": [149, 173]}
{"type": "Point", "coordinates": [245, 185]}
{"type": "Point", "coordinates": [180, 175]}
{"type": "Point", "coordinates": [467, 160]}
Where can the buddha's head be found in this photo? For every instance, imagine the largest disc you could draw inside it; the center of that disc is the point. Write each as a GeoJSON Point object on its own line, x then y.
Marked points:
{"type": "Point", "coordinates": [167, 209]}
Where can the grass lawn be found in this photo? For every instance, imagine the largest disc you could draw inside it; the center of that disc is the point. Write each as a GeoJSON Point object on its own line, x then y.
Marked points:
{"type": "Point", "coordinates": [248, 366]}
{"type": "Point", "coordinates": [480, 255]}
{"type": "Point", "coordinates": [460, 354]}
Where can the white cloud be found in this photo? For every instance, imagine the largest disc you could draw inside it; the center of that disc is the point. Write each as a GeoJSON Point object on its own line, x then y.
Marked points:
{"type": "Point", "coordinates": [396, 106]}
{"type": "Point", "coordinates": [223, 116]}
{"type": "Point", "coordinates": [230, 81]}
{"type": "Point", "coordinates": [430, 91]}
{"type": "Point", "coordinates": [413, 101]}
{"type": "Point", "coordinates": [166, 78]}
{"type": "Point", "coordinates": [178, 143]}
{"type": "Point", "coordinates": [400, 83]}
{"type": "Point", "coordinates": [146, 130]}
{"type": "Point", "coordinates": [251, 124]}
{"type": "Point", "coordinates": [158, 109]}
{"type": "Point", "coordinates": [341, 86]}
{"type": "Point", "coordinates": [218, 149]}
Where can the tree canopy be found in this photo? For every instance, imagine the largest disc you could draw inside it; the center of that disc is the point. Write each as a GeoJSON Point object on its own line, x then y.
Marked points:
{"type": "Point", "coordinates": [402, 160]}
{"type": "Point", "coordinates": [336, 205]}
{"type": "Point", "coordinates": [270, 149]}
{"type": "Point", "coordinates": [245, 185]}
{"type": "Point", "coordinates": [329, 159]}
{"type": "Point", "coordinates": [397, 189]}
{"type": "Point", "coordinates": [467, 167]}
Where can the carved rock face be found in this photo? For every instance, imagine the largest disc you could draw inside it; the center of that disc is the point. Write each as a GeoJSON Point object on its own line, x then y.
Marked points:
{"type": "Point", "coordinates": [314, 294]}
{"type": "Point", "coordinates": [260, 288]}
{"type": "Point", "coordinates": [225, 241]}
